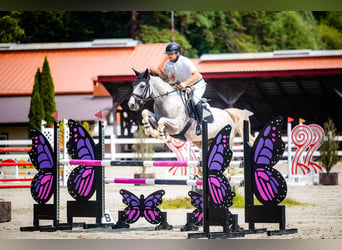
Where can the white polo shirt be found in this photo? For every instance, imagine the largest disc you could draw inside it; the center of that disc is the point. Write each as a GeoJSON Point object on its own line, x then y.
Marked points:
{"type": "Point", "coordinates": [182, 69]}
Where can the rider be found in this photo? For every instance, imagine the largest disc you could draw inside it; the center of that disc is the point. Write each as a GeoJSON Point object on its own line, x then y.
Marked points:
{"type": "Point", "coordinates": [184, 70]}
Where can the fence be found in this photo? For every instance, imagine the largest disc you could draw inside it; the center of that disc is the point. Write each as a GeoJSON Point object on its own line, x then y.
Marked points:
{"type": "Point", "coordinates": [114, 152]}
{"type": "Point", "coordinates": [119, 149]}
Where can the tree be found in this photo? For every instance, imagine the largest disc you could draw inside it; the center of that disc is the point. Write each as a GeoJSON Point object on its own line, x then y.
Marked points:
{"type": "Point", "coordinates": [330, 30]}
{"type": "Point", "coordinates": [295, 30]}
{"type": "Point", "coordinates": [329, 147]}
{"type": "Point", "coordinates": [47, 93]}
{"type": "Point", "coordinates": [151, 34]}
{"type": "Point", "coordinates": [36, 113]}
{"type": "Point", "coordinates": [200, 31]}
{"type": "Point", "coordinates": [10, 31]}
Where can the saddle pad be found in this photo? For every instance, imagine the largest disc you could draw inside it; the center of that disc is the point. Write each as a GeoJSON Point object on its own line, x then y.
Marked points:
{"type": "Point", "coordinates": [208, 116]}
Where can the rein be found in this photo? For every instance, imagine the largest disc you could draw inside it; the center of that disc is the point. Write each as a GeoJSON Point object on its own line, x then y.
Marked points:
{"type": "Point", "coordinates": [144, 99]}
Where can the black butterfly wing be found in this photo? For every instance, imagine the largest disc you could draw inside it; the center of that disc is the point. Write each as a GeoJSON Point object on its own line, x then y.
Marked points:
{"type": "Point", "coordinates": [81, 185]}
{"type": "Point", "coordinates": [42, 157]}
{"type": "Point", "coordinates": [150, 210]}
{"type": "Point", "coordinates": [219, 158]}
{"type": "Point", "coordinates": [133, 210]}
{"type": "Point", "coordinates": [41, 153]}
{"type": "Point", "coordinates": [269, 185]}
{"type": "Point", "coordinates": [197, 202]}
{"type": "Point", "coordinates": [81, 182]}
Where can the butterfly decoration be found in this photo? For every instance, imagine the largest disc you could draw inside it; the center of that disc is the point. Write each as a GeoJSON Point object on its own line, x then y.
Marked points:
{"type": "Point", "coordinates": [197, 202]}
{"type": "Point", "coordinates": [81, 146]}
{"type": "Point", "coordinates": [42, 157]}
{"type": "Point", "coordinates": [218, 160]}
{"type": "Point", "coordinates": [142, 207]}
{"type": "Point", "coordinates": [269, 186]}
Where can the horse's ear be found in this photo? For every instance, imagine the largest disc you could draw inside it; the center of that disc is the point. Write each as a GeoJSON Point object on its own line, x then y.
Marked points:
{"type": "Point", "coordinates": [146, 74]}
{"type": "Point", "coordinates": [136, 72]}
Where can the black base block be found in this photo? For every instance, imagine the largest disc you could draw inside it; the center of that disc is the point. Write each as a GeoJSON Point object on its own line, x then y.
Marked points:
{"type": "Point", "coordinates": [89, 209]}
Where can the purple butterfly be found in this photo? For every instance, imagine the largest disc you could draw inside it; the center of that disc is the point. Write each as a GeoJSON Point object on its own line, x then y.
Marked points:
{"type": "Point", "coordinates": [41, 154]}
{"type": "Point", "coordinates": [218, 160]}
{"type": "Point", "coordinates": [142, 207]}
{"type": "Point", "coordinates": [268, 184]}
{"type": "Point", "coordinates": [197, 202]}
{"type": "Point", "coordinates": [81, 146]}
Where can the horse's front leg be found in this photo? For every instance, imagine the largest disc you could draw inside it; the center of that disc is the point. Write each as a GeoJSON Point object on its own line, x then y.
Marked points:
{"type": "Point", "coordinates": [149, 122]}
{"type": "Point", "coordinates": [165, 122]}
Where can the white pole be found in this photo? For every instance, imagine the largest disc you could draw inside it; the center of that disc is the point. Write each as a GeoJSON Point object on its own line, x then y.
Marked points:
{"type": "Point", "coordinates": [113, 146]}
{"type": "Point", "coordinates": [289, 148]}
{"type": "Point", "coordinates": [188, 158]}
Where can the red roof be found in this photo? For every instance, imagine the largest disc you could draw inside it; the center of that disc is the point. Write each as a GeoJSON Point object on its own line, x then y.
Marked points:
{"type": "Point", "coordinates": [271, 66]}
{"type": "Point", "coordinates": [143, 57]}
{"type": "Point", "coordinates": [73, 70]}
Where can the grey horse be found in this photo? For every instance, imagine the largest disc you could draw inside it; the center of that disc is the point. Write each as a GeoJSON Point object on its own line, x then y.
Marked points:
{"type": "Point", "coordinates": [170, 116]}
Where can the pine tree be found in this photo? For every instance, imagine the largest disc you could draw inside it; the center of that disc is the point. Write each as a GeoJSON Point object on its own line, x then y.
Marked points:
{"type": "Point", "coordinates": [329, 147]}
{"type": "Point", "coordinates": [36, 113]}
{"type": "Point", "coordinates": [47, 93]}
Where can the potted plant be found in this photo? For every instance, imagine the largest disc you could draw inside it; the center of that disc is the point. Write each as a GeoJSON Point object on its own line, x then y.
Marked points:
{"type": "Point", "coordinates": [144, 152]}
{"type": "Point", "coordinates": [328, 154]}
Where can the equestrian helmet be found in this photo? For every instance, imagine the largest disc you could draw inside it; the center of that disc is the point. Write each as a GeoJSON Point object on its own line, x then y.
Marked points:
{"type": "Point", "coordinates": [172, 47]}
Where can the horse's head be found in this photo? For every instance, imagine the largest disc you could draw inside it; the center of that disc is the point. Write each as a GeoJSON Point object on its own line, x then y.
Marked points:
{"type": "Point", "coordinates": [140, 90]}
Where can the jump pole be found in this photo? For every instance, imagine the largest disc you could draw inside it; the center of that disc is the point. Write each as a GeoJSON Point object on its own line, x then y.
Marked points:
{"type": "Point", "coordinates": [14, 149]}
{"type": "Point", "coordinates": [154, 181]}
{"type": "Point", "coordinates": [131, 163]}
{"type": "Point", "coordinates": [15, 186]}
{"type": "Point", "coordinates": [16, 164]}
{"type": "Point", "coordinates": [16, 179]}
{"type": "Point", "coordinates": [289, 147]}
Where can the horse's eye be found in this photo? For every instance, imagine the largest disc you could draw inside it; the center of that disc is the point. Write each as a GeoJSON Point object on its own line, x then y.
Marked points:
{"type": "Point", "coordinates": [142, 86]}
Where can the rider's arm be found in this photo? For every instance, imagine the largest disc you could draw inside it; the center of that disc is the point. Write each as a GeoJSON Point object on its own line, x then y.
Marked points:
{"type": "Point", "coordinates": [193, 78]}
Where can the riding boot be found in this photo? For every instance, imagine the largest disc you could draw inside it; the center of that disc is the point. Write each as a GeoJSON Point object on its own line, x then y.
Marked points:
{"type": "Point", "coordinates": [199, 115]}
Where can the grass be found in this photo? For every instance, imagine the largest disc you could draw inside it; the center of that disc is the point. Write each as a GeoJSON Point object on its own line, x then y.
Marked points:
{"type": "Point", "coordinates": [179, 202]}
{"type": "Point", "coordinates": [238, 202]}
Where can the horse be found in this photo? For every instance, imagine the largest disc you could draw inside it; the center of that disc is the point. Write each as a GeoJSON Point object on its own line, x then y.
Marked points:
{"type": "Point", "coordinates": [171, 117]}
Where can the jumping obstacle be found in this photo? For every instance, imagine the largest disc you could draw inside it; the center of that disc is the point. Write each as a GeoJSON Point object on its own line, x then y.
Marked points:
{"type": "Point", "coordinates": [45, 183]}
{"type": "Point", "coordinates": [217, 195]}
{"type": "Point", "coordinates": [263, 181]}
{"type": "Point", "coordinates": [142, 207]}
{"type": "Point", "coordinates": [15, 185]}
{"type": "Point", "coordinates": [81, 145]}
{"type": "Point", "coordinates": [215, 208]}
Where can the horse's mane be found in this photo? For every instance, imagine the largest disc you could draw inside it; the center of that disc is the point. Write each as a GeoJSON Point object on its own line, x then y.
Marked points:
{"type": "Point", "coordinates": [165, 75]}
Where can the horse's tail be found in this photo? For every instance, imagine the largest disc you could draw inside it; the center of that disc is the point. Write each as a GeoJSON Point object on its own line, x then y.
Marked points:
{"type": "Point", "coordinates": [238, 115]}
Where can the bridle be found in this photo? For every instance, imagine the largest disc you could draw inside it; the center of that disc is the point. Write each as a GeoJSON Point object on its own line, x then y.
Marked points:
{"type": "Point", "coordinates": [146, 94]}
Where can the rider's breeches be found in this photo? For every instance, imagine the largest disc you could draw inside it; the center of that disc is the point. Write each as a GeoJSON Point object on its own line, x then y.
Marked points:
{"type": "Point", "coordinates": [198, 91]}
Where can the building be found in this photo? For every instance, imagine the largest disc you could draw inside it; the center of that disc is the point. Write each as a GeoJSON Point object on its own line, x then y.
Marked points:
{"type": "Point", "coordinates": [97, 75]}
